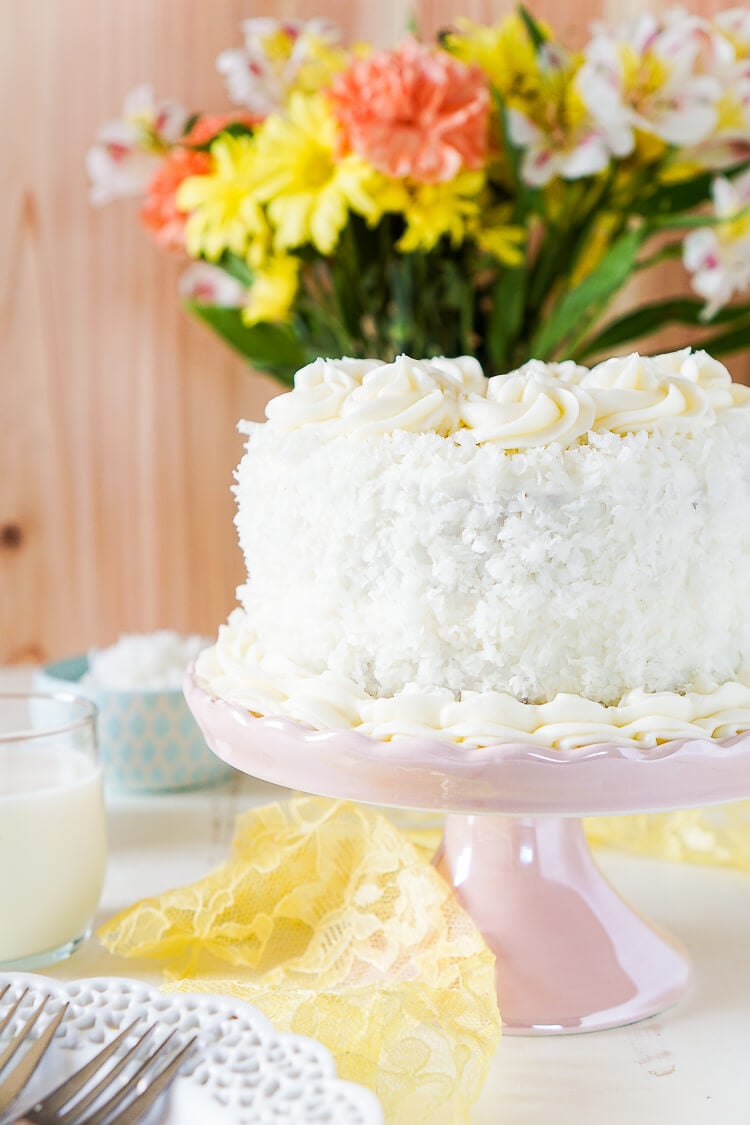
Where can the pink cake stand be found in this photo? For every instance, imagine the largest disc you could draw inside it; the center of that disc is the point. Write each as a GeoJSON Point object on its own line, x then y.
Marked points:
{"type": "Point", "coordinates": [571, 954]}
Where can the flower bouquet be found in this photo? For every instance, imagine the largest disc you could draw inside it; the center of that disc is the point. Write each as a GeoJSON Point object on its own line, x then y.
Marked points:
{"type": "Point", "coordinates": [491, 193]}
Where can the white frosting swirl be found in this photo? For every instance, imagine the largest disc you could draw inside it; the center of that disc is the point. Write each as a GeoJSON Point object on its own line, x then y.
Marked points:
{"type": "Point", "coordinates": [236, 669]}
{"type": "Point", "coordinates": [528, 408]}
{"type": "Point", "coordinates": [568, 371]}
{"type": "Point", "coordinates": [320, 391]}
{"type": "Point", "coordinates": [710, 375]}
{"type": "Point", "coordinates": [370, 397]}
{"type": "Point", "coordinates": [635, 393]}
{"type": "Point", "coordinates": [642, 392]}
{"type": "Point", "coordinates": [407, 394]}
{"type": "Point", "coordinates": [465, 371]}
{"type": "Point", "coordinates": [536, 405]}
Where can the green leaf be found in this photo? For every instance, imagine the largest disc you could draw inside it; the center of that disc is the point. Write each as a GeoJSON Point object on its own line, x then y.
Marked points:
{"type": "Point", "coordinates": [671, 250]}
{"type": "Point", "coordinates": [536, 33]}
{"type": "Point", "coordinates": [235, 129]}
{"type": "Point", "coordinates": [722, 343]}
{"type": "Point", "coordinates": [598, 287]}
{"type": "Point", "coordinates": [192, 120]}
{"type": "Point", "coordinates": [650, 318]}
{"type": "Point", "coordinates": [412, 24]}
{"type": "Point", "coordinates": [237, 268]}
{"type": "Point", "coordinates": [672, 222]}
{"type": "Point", "coordinates": [683, 196]}
{"type": "Point", "coordinates": [270, 347]}
{"type": "Point", "coordinates": [506, 316]}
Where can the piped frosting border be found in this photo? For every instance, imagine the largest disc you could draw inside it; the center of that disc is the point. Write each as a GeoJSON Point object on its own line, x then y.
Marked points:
{"type": "Point", "coordinates": [538, 404]}
{"type": "Point", "coordinates": [237, 670]}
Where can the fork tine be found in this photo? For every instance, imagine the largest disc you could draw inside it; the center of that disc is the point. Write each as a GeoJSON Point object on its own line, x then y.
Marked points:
{"type": "Point", "coordinates": [105, 1111]}
{"type": "Point", "coordinates": [135, 1110]}
{"type": "Point", "coordinates": [66, 1091]}
{"type": "Point", "coordinates": [13, 1009]}
{"type": "Point", "coordinates": [22, 1071]}
{"type": "Point", "coordinates": [20, 1036]}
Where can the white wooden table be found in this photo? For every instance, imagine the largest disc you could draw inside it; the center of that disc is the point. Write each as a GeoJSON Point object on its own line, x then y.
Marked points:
{"type": "Point", "coordinates": [689, 1066]}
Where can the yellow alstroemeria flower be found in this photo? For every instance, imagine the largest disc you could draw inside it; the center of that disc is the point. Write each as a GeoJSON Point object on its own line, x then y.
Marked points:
{"type": "Point", "coordinates": [309, 191]}
{"type": "Point", "coordinates": [319, 59]}
{"type": "Point", "coordinates": [506, 242]}
{"type": "Point", "coordinates": [506, 54]}
{"type": "Point", "coordinates": [547, 117]}
{"type": "Point", "coordinates": [223, 215]}
{"type": "Point", "coordinates": [273, 290]}
{"type": "Point", "coordinates": [322, 63]}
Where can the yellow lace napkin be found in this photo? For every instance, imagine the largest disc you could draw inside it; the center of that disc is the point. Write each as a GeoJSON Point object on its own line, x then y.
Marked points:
{"type": "Point", "coordinates": [717, 836]}
{"type": "Point", "coordinates": [337, 926]}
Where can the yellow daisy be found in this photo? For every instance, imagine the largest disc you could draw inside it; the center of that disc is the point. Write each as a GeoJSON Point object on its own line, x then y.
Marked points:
{"type": "Point", "coordinates": [308, 191]}
{"type": "Point", "coordinates": [223, 215]}
{"type": "Point", "coordinates": [433, 211]}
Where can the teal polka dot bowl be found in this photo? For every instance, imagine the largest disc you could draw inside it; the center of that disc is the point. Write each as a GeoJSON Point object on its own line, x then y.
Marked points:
{"type": "Point", "coordinates": [148, 740]}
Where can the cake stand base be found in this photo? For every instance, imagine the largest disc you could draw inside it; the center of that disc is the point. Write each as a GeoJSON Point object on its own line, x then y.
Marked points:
{"type": "Point", "coordinates": [572, 955]}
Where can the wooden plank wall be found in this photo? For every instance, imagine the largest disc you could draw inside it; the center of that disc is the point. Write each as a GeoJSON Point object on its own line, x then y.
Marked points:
{"type": "Point", "coordinates": [117, 411]}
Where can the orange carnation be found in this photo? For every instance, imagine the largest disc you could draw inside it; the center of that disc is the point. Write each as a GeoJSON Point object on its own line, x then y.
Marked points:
{"type": "Point", "coordinates": [159, 212]}
{"type": "Point", "coordinates": [414, 112]}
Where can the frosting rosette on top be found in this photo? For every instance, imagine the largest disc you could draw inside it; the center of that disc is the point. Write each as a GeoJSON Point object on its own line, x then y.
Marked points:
{"type": "Point", "coordinates": [529, 408]}
{"type": "Point", "coordinates": [710, 375]}
{"type": "Point", "coordinates": [320, 390]}
{"type": "Point", "coordinates": [369, 397]}
{"type": "Point", "coordinates": [419, 396]}
{"type": "Point", "coordinates": [636, 393]}
{"type": "Point", "coordinates": [536, 405]}
{"type": "Point", "coordinates": [567, 372]}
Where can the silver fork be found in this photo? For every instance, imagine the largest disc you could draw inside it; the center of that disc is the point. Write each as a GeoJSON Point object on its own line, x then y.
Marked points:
{"type": "Point", "coordinates": [69, 1103]}
{"type": "Point", "coordinates": [14, 1081]}
{"type": "Point", "coordinates": [128, 1103]}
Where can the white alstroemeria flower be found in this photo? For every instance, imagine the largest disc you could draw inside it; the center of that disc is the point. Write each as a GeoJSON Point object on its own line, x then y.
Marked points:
{"type": "Point", "coordinates": [210, 285]}
{"type": "Point", "coordinates": [719, 257]}
{"type": "Point", "coordinates": [128, 151]}
{"type": "Point", "coordinates": [115, 165]}
{"type": "Point", "coordinates": [164, 120]}
{"type": "Point", "coordinates": [545, 157]}
{"type": "Point", "coordinates": [734, 23]}
{"type": "Point", "coordinates": [649, 77]}
{"type": "Point", "coordinates": [712, 51]}
{"type": "Point", "coordinates": [567, 142]}
{"type": "Point", "coordinates": [733, 124]}
{"type": "Point", "coordinates": [260, 74]}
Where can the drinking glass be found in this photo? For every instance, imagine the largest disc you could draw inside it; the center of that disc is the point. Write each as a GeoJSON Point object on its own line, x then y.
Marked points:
{"type": "Point", "coordinates": [53, 844]}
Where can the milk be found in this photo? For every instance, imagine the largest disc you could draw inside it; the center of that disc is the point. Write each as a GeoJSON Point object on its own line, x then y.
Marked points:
{"type": "Point", "coordinates": [52, 846]}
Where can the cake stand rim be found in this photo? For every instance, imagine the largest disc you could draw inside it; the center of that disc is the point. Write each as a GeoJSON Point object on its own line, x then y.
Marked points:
{"type": "Point", "coordinates": [691, 761]}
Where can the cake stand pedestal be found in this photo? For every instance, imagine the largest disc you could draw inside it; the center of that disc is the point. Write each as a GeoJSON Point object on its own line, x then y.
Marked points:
{"type": "Point", "coordinates": [572, 955]}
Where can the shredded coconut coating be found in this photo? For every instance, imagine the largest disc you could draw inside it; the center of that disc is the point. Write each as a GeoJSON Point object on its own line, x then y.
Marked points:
{"type": "Point", "coordinates": [414, 560]}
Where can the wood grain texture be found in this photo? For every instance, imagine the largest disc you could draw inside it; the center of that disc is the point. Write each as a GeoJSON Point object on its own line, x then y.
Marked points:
{"type": "Point", "coordinates": [118, 411]}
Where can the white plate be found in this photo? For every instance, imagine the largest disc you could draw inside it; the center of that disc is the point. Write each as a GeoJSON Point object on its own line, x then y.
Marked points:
{"type": "Point", "coordinates": [243, 1070]}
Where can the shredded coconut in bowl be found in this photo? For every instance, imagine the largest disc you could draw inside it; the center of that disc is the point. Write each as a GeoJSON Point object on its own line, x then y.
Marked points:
{"type": "Point", "coordinates": [144, 662]}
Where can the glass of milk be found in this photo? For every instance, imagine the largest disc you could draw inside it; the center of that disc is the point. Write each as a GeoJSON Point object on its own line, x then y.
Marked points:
{"type": "Point", "coordinates": [53, 844]}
